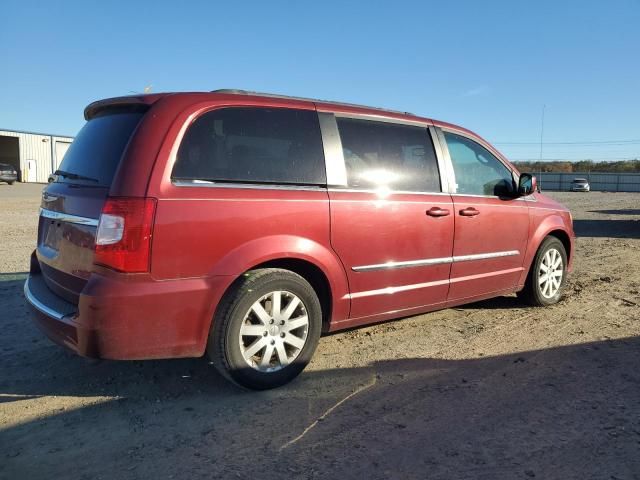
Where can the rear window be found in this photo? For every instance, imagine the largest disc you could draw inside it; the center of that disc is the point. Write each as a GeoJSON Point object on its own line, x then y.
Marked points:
{"type": "Point", "coordinates": [97, 149]}
{"type": "Point", "coordinates": [253, 145]}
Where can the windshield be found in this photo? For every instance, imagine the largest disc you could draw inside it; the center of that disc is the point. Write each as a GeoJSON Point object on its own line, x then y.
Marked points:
{"type": "Point", "coordinates": [95, 154]}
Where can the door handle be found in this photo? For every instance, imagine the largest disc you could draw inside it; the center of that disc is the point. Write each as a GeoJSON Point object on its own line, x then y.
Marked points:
{"type": "Point", "coordinates": [437, 212]}
{"type": "Point", "coordinates": [469, 212]}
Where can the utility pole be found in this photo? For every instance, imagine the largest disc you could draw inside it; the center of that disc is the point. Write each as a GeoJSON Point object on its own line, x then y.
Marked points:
{"type": "Point", "coordinates": [544, 106]}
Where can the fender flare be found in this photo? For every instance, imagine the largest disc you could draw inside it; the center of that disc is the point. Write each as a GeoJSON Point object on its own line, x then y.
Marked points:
{"type": "Point", "coordinates": [285, 247]}
{"type": "Point", "coordinates": [550, 224]}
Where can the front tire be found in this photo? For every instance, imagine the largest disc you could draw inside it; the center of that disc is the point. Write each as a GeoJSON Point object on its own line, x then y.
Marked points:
{"type": "Point", "coordinates": [548, 274]}
{"type": "Point", "coordinates": [265, 329]}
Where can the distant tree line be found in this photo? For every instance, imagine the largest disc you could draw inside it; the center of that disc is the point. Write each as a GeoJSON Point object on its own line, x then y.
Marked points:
{"type": "Point", "coordinates": [623, 166]}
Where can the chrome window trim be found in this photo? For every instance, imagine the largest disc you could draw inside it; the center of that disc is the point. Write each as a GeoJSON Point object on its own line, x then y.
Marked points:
{"type": "Point", "coordinates": [510, 199]}
{"type": "Point", "coordinates": [66, 217]}
{"type": "Point", "coordinates": [385, 193]}
{"type": "Point", "coordinates": [252, 186]}
{"type": "Point", "coordinates": [440, 159]}
{"type": "Point", "coordinates": [381, 118]}
{"type": "Point", "coordinates": [333, 153]}
{"type": "Point", "coordinates": [434, 261]}
{"type": "Point", "coordinates": [202, 111]}
{"type": "Point", "coordinates": [38, 305]}
{"type": "Point", "coordinates": [446, 158]}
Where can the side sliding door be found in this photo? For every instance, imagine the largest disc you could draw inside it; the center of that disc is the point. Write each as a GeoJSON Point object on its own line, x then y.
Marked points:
{"type": "Point", "coordinates": [391, 223]}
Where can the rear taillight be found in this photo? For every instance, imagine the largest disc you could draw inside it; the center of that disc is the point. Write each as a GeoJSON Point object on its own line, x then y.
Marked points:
{"type": "Point", "coordinates": [123, 239]}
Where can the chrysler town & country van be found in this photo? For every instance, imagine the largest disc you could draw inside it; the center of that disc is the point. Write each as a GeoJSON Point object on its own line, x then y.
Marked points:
{"type": "Point", "coordinates": [243, 225]}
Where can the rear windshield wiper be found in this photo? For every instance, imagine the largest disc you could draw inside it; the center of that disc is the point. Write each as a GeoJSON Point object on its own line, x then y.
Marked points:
{"type": "Point", "coordinates": [74, 176]}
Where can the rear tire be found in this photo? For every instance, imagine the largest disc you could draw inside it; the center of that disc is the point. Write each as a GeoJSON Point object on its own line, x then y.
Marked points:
{"type": "Point", "coordinates": [265, 329]}
{"type": "Point", "coordinates": [548, 274]}
{"type": "Point", "coordinates": [10, 183]}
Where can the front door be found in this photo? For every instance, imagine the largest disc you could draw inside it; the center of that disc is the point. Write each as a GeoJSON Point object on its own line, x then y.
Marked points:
{"type": "Point", "coordinates": [391, 225]}
{"type": "Point", "coordinates": [491, 224]}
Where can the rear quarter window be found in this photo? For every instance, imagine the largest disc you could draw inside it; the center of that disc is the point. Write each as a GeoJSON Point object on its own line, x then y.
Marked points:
{"type": "Point", "coordinates": [253, 145]}
{"type": "Point", "coordinates": [97, 149]}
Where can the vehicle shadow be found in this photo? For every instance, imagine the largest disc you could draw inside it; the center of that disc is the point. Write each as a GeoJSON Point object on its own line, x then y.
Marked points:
{"type": "Point", "coordinates": [562, 412]}
{"type": "Point", "coordinates": [607, 228]}
{"type": "Point", "coordinates": [504, 302]}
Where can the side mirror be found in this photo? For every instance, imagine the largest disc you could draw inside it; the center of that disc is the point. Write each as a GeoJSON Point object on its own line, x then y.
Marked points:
{"type": "Point", "coordinates": [527, 184]}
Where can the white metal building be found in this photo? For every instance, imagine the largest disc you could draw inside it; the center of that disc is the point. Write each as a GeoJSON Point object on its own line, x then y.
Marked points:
{"type": "Point", "coordinates": [34, 155]}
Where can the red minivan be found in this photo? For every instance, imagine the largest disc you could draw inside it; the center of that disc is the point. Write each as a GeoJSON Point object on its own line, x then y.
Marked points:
{"type": "Point", "coordinates": [243, 225]}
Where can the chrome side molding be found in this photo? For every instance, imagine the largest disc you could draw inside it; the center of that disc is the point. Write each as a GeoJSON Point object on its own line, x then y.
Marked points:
{"type": "Point", "coordinates": [434, 261]}
{"type": "Point", "coordinates": [410, 263]}
{"type": "Point", "coordinates": [485, 256]}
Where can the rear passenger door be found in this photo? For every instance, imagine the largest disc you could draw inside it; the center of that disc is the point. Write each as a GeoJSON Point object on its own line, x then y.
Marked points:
{"type": "Point", "coordinates": [391, 224]}
{"type": "Point", "coordinates": [491, 224]}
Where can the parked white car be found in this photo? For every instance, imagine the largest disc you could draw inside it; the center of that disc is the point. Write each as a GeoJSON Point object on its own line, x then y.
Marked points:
{"type": "Point", "coordinates": [580, 185]}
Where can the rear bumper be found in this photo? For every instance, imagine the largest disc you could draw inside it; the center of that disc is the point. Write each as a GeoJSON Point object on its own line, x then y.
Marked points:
{"type": "Point", "coordinates": [580, 189]}
{"type": "Point", "coordinates": [129, 319]}
{"type": "Point", "coordinates": [58, 319]}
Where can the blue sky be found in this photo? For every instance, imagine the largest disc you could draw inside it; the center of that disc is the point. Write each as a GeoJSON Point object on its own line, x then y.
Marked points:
{"type": "Point", "coordinates": [489, 66]}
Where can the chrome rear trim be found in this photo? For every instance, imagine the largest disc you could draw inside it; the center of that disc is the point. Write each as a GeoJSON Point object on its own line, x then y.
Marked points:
{"type": "Point", "coordinates": [38, 305]}
{"type": "Point", "coordinates": [66, 217]}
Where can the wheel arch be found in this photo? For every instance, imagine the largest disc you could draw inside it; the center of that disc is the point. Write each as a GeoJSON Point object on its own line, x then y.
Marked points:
{"type": "Point", "coordinates": [307, 258]}
{"type": "Point", "coordinates": [564, 237]}
{"type": "Point", "coordinates": [552, 226]}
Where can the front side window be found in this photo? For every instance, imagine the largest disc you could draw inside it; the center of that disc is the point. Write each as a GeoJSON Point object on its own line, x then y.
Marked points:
{"type": "Point", "coordinates": [388, 155]}
{"type": "Point", "coordinates": [477, 171]}
{"type": "Point", "coordinates": [253, 145]}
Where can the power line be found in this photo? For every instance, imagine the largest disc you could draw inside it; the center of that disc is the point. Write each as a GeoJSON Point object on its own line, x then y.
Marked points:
{"type": "Point", "coordinates": [603, 142]}
{"type": "Point", "coordinates": [603, 159]}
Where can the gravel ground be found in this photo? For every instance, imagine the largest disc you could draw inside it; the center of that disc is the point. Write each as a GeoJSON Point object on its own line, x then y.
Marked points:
{"type": "Point", "coordinates": [491, 390]}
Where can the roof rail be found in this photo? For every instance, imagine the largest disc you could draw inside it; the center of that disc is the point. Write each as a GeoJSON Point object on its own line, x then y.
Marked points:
{"type": "Point", "coordinates": [236, 91]}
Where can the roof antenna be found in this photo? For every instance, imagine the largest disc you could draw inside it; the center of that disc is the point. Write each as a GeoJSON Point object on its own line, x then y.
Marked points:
{"type": "Point", "coordinates": [148, 88]}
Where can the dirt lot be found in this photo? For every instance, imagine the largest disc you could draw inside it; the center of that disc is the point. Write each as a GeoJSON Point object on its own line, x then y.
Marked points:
{"type": "Point", "coordinates": [491, 390]}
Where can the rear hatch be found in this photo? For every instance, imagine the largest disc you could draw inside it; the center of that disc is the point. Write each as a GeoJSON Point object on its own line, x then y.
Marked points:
{"type": "Point", "coordinates": [71, 205]}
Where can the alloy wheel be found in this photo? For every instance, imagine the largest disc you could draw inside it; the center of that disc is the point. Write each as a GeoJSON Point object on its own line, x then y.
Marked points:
{"type": "Point", "coordinates": [550, 273]}
{"type": "Point", "coordinates": [274, 331]}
